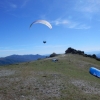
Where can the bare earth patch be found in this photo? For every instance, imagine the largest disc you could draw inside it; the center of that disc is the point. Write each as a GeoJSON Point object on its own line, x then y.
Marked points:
{"type": "Point", "coordinates": [6, 72]}
{"type": "Point", "coordinates": [87, 87]}
{"type": "Point", "coordinates": [36, 86]}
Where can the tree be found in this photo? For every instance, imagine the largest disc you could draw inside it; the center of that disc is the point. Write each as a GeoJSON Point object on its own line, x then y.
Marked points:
{"type": "Point", "coordinates": [53, 54]}
{"type": "Point", "coordinates": [94, 56]}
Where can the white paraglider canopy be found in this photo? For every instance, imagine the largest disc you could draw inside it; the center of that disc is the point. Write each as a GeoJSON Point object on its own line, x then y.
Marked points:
{"type": "Point", "coordinates": [42, 22]}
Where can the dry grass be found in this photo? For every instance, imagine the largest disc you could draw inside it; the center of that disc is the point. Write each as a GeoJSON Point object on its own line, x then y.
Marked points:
{"type": "Point", "coordinates": [67, 79]}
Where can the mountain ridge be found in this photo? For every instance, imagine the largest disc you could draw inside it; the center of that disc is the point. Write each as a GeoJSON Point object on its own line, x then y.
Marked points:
{"type": "Point", "coordinates": [13, 59]}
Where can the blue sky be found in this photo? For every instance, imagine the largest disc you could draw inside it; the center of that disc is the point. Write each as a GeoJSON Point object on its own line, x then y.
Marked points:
{"type": "Point", "coordinates": [76, 23]}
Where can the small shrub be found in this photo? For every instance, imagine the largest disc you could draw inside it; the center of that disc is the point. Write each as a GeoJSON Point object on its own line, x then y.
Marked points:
{"type": "Point", "coordinates": [53, 55]}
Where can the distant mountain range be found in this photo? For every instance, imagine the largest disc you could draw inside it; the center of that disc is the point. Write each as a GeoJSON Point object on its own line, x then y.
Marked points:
{"type": "Point", "coordinates": [13, 59]}
{"type": "Point", "coordinates": [98, 55]}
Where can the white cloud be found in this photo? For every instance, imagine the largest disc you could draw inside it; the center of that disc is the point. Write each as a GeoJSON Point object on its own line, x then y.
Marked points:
{"type": "Point", "coordinates": [89, 6]}
{"type": "Point", "coordinates": [60, 22]}
{"type": "Point", "coordinates": [12, 5]}
{"type": "Point", "coordinates": [82, 26]}
{"type": "Point", "coordinates": [70, 24]}
{"type": "Point", "coordinates": [8, 6]}
{"type": "Point", "coordinates": [24, 3]}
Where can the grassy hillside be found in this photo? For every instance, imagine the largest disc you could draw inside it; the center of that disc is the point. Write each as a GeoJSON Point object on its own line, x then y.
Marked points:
{"type": "Point", "coordinates": [67, 79]}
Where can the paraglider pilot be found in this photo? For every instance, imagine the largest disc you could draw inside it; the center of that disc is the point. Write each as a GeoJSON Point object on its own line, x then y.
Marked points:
{"type": "Point", "coordinates": [44, 42]}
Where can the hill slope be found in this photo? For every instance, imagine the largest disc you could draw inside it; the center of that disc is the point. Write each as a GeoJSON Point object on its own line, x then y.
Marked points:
{"type": "Point", "coordinates": [67, 79]}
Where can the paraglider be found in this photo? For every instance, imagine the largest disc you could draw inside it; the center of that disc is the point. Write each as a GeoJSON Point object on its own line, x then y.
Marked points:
{"type": "Point", "coordinates": [42, 22]}
{"type": "Point", "coordinates": [44, 42]}
{"type": "Point", "coordinates": [94, 71]}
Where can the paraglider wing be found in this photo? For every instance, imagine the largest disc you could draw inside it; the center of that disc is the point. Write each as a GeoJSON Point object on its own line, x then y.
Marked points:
{"type": "Point", "coordinates": [42, 22]}
{"type": "Point", "coordinates": [94, 71]}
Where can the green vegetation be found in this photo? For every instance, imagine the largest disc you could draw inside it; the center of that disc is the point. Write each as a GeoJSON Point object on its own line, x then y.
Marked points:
{"type": "Point", "coordinates": [67, 79]}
